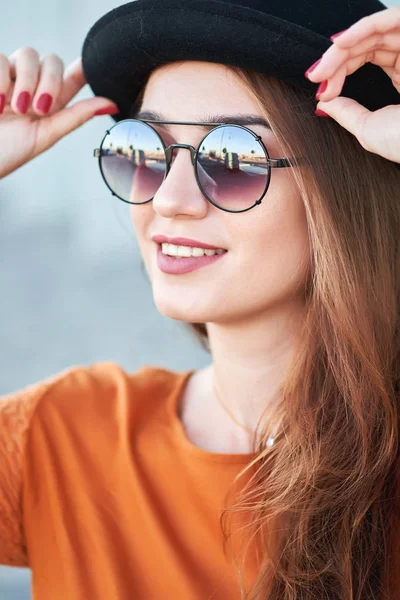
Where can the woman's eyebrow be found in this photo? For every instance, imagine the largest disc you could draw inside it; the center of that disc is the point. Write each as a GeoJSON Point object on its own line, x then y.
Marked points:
{"type": "Point", "coordinates": [237, 119]}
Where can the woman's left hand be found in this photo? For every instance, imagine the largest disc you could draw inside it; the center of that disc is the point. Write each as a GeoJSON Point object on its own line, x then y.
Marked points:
{"type": "Point", "coordinates": [374, 39]}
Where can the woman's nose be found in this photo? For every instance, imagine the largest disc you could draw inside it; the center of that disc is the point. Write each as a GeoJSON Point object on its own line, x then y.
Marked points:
{"type": "Point", "coordinates": [179, 193]}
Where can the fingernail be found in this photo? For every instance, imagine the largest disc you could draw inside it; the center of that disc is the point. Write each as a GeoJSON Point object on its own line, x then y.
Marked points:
{"type": "Point", "coordinates": [2, 102]}
{"type": "Point", "coordinates": [321, 89]}
{"type": "Point", "coordinates": [109, 110]}
{"type": "Point", "coordinates": [312, 67]}
{"type": "Point", "coordinates": [321, 113]}
{"type": "Point", "coordinates": [335, 35]}
{"type": "Point", "coordinates": [44, 103]}
{"type": "Point", "coordinates": [23, 102]}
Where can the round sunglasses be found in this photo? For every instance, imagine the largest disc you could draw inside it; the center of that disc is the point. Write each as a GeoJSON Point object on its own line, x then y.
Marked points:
{"type": "Point", "coordinates": [231, 163]}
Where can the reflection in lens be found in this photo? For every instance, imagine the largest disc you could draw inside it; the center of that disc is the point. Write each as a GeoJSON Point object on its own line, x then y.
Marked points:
{"type": "Point", "coordinates": [133, 161]}
{"type": "Point", "coordinates": [232, 168]}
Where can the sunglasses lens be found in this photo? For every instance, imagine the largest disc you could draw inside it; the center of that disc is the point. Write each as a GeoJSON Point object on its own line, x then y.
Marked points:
{"type": "Point", "coordinates": [232, 168]}
{"type": "Point", "coordinates": [132, 161]}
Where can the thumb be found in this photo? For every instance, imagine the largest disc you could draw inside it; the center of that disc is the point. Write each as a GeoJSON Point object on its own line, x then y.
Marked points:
{"type": "Point", "coordinates": [66, 120]}
{"type": "Point", "coordinates": [348, 113]}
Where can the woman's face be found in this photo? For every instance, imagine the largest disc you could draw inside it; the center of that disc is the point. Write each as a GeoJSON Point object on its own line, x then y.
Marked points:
{"type": "Point", "coordinates": [266, 246]}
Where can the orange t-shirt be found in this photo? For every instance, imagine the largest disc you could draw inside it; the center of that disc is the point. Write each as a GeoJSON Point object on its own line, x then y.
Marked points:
{"type": "Point", "coordinates": [103, 495]}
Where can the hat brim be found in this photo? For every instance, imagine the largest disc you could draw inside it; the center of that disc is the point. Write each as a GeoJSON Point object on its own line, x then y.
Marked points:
{"type": "Point", "coordinates": [127, 43]}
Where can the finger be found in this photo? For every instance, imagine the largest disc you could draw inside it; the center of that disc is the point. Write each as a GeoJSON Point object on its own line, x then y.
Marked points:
{"type": "Point", "coordinates": [380, 22]}
{"type": "Point", "coordinates": [378, 41]}
{"type": "Point", "coordinates": [379, 58]}
{"type": "Point", "coordinates": [4, 80]}
{"type": "Point", "coordinates": [73, 81]}
{"type": "Point", "coordinates": [24, 68]}
{"type": "Point", "coordinates": [372, 49]}
{"type": "Point", "coordinates": [335, 85]}
{"type": "Point", "coordinates": [50, 82]}
{"type": "Point", "coordinates": [64, 121]}
{"type": "Point", "coordinates": [348, 113]}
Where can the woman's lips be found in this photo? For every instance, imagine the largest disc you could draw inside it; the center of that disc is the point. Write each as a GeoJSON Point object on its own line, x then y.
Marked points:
{"type": "Point", "coordinates": [181, 265]}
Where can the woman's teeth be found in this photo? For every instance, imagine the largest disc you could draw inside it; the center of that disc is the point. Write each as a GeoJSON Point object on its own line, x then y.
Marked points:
{"type": "Point", "coordinates": [186, 251]}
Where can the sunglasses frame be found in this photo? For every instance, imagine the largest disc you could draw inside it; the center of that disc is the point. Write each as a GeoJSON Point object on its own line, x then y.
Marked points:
{"type": "Point", "coordinates": [273, 163]}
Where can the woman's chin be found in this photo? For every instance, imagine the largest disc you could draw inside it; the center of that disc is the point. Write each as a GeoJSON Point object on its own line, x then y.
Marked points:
{"type": "Point", "coordinates": [180, 309]}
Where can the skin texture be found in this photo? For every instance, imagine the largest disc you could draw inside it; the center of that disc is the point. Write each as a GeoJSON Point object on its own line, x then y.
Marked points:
{"type": "Point", "coordinates": [250, 299]}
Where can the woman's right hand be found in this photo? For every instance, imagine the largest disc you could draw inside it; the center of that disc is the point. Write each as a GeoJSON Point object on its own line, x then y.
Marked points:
{"type": "Point", "coordinates": [25, 130]}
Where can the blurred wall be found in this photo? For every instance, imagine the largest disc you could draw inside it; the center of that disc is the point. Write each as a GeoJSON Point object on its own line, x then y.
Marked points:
{"type": "Point", "coordinates": [72, 290]}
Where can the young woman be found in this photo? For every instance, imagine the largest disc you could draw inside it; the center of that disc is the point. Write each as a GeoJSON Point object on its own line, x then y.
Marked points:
{"type": "Point", "coordinates": [271, 473]}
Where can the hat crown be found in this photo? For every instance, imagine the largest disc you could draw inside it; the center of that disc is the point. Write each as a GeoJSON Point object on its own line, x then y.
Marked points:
{"type": "Point", "coordinates": [278, 38]}
{"type": "Point", "coordinates": [323, 17]}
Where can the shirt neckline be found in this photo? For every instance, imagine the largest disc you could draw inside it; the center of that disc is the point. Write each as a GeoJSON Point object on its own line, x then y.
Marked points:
{"type": "Point", "coordinates": [180, 433]}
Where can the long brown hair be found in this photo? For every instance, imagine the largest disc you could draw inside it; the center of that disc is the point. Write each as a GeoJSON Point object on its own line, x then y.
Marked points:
{"type": "Point", "coordinates": [331, 474]}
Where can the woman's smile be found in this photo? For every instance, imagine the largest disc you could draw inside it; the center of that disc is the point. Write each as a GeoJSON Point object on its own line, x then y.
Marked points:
{"type": "Point", "coordinates": [179, 265]}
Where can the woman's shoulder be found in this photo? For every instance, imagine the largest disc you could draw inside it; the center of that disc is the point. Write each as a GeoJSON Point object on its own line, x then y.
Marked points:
{"type": "Point", "coordinates": [82, 416]}
{"type": "Point", "coordinates": [108, 381]}
{"type": "Point", "coordinates": [87, 391]}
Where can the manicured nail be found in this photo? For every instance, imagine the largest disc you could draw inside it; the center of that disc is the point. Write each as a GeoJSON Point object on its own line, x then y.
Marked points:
{"type": "Point", "coordinates": [335, 35]}
{"type": "Point", "coordinates": [321, 88]}
{"type": "Point", "coordinates": [44, 103]}
{"type": "Point", "coordinates": [2, 102]}
{"type": "Point", "coordinates": [109, 110]}
{"type": "Point", "coordinates": [23, 102]}
{"type": "Point", "coordinates": [321, 113]}
{"type": "Point", "coordinates": [312, 67]}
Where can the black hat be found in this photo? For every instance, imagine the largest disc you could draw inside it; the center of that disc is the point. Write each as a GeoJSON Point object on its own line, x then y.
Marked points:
{"type": "Point", "coordinates": [275, 37]}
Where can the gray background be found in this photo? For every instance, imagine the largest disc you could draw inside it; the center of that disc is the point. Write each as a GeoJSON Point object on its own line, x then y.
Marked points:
{"type": "Point", "coordinates": [72, 288]}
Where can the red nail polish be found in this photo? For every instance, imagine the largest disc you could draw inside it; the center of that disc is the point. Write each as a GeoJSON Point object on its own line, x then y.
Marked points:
{"type": "Point", "coordinates": [109, 110]}
{"type": "Point", "coordinates": [335, 35]}
{"type": "Point", "coordinates": [321, 113]}
{"type": "Point", "coordinates": [23, 102]}
{"type": "Point", "coordinates": [321, 88]}
{"type": "Point", "coordinates": [312, 67]}
{"type": "Point", "coordinates": [44, 103]}
{"type": "Point", "coordinates": [2, 102]}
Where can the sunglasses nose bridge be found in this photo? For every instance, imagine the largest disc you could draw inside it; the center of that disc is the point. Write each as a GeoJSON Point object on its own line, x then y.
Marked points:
{"type": "Point", "coordinates": [169, 150]}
